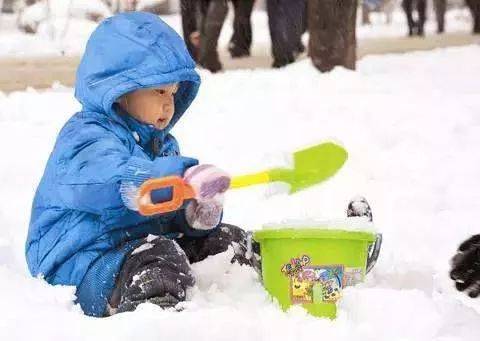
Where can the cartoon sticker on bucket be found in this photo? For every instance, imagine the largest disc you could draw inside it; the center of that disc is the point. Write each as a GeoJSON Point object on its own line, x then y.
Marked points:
{"type": "Point", "coordinates": [311, 283]}
{"type": "Point", "coordinates": [353, 276]}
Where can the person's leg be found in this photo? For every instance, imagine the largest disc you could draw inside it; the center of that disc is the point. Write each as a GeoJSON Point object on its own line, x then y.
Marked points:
{"type": "Point", "coordinates": [365, 13]}
{"type": "Point", "coordinates": [241, 40]}
{"type": "Point", "coordinates": [157, 271]}
{"type": "Point", "coordinates": [212, 26]}
{"type": "Point", "coordinates": [407, 6]}
{"type": "Point", "coordinates": [440, 9]}
{"type": "Point", "coordinates": [225, 236]}
{"type": "Point", "coordinates": [476, 26]}
{"type": "Point", "coordinates": [278, 23]}
{"type": "Point", "coordinates": [474, 6]}
{"type": "Point", "coordinates": [298, 21]}
{"type": "Point", "coordinates": [189, 12]}
{"type": "Point", "coordinates": [422, 14]}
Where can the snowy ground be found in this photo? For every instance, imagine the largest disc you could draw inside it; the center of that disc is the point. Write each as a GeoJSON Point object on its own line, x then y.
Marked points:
{"type": "Point", "coordinates": [57, 36]}
{"type": "Point", "coordinates": [413, 144]}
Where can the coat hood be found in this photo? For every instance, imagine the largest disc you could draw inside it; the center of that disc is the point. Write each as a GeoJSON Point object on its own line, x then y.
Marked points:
{"type": "Point", "coordinates": [131, 51]}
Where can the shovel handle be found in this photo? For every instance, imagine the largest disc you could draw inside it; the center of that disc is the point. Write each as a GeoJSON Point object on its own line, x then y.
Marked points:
{"type": "Point", "coordinates": [181, 191]}
{"type": "Point", "coordinates": [250, 179]}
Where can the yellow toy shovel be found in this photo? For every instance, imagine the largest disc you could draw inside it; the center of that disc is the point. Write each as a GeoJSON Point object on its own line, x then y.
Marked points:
{"type": "Point", "coordinates": [310, 167]}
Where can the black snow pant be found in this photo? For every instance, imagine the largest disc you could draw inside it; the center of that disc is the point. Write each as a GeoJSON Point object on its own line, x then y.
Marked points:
{"type": "Point", "coordinates": [415, 27]}
{"type": "Point", "coordinates": [474, 6]}
{"type": "Point", "coordinates": [241, 40]}
{"type": "Point", "coordinates": [158, 271]}
{"type": "Point", "coordinates": [287, 21]}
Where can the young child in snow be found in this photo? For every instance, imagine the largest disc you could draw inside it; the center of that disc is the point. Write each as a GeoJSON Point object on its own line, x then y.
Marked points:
{"type": "Point", "coordinates": [135, 81]}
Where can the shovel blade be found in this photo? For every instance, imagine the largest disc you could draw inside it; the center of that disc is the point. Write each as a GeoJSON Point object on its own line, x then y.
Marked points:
{"type": "Point", "coordinates": [314, 165]}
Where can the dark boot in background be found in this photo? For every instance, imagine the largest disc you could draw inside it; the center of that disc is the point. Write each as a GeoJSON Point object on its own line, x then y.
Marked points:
{"type": "Point", "coordinates": [287, 22]}
{"type": "Point", "coordinates": [241, 40]}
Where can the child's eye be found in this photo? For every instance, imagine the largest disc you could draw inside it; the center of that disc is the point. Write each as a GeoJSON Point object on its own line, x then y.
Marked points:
{"type": "Point", "coordinates": [160, 91]}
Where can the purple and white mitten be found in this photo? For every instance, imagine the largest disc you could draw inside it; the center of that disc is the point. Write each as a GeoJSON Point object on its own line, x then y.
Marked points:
{"type": "Point", "coordinates": [209, 183]}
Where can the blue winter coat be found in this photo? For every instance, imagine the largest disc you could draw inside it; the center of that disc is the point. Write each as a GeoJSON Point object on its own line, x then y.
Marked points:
{"type": "Point", "coordinates": [80, 228]}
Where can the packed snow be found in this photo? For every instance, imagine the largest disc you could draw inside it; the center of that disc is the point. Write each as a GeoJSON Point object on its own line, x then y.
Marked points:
{"type": "Point", "coordinates": [354, 224]}
{"type": "Point", "coordinates": [68, 30]}
{"type": "Point", "coordinates": [411, 126]}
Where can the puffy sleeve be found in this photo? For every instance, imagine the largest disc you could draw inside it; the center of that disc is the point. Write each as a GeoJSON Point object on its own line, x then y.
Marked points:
{"type": "Point", "coordinates": [95, 168]}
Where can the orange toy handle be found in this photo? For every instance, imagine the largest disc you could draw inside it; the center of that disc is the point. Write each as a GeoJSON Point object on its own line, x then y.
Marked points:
{"type": "Point", "coordinates": [181, 191]}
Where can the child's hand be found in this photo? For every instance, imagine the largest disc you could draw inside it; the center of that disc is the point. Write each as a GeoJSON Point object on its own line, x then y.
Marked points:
{"type": "Point", "coordinates": [466, 267]}
{"type": "Point", "coordinates": [204, 215]}
{"type": "Point", "coordinates": [208, 182]}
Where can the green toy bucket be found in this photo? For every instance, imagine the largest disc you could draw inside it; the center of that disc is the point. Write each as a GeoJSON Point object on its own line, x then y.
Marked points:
{"type": "Point", "coordinates": [311, 266]}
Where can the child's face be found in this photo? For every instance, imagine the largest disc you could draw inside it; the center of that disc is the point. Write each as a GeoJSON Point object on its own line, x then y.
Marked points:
{"type": "Point", "coordinates": [153, 106]}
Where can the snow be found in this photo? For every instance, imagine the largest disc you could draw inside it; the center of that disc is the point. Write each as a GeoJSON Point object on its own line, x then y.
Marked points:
{"type": "Point", "coordinates": [148, 3]}
{"type": "Point", "coordinates": [357, 224]}
{"type": "Point", "coordinates": [58, 37]}
{"type": "Point", "coordinates": [456, 20]}
{"type": "Point", "coordinates": [411, 125]}
{"type": "Point", "coordinates": [64, 8]}
{"type": "Point", "coordinates": [141, 248]}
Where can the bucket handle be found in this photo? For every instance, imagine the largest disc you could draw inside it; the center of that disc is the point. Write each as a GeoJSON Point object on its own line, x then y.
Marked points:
{"type": "Point", "coordinates": [374, 252]}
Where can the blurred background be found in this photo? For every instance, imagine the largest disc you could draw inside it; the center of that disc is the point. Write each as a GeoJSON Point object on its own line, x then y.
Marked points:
{"type": "Point", "coordinates": [41, 41]}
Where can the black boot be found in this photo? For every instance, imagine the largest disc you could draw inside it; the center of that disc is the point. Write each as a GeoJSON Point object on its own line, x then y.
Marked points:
{"type": "Point", "coordinates": [247, 251]}
{"type": "Point", "coordinates": [359, 207]}
{"type": "Point", "coordinates": [157, 272]}
{"type": "Point", "coordinates": [466, 267]}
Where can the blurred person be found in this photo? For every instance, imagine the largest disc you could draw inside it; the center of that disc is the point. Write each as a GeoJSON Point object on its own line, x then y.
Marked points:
{"type": "Point", "coordinates": [202, 23]}
{"type": "Point", "coordinates": [474, 6]}
{"type": "Point", "coordinates": [189, 11]}
{"type": "Point", "coordinates": [440, 7]}
{"type": "Point", "coordinates": [212, 17]}
{"type": "Point", "coordinates": [241, 40]}
{"type": "Point", "coordinates": [415, 27]}
{"type": "Point", "coordinates": [287, 22]}
{"type": "Point", "coordinates": [385, 6]}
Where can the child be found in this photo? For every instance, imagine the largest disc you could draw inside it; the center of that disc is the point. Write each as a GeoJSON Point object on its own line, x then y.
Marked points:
{"type": "Point", "coordinates": [135, 81]}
